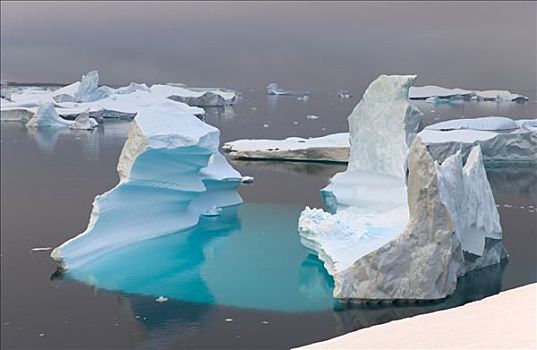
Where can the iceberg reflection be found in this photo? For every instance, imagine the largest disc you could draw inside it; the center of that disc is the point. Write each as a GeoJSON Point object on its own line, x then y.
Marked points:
{"type": "Point", "coordinates": [248, 257]}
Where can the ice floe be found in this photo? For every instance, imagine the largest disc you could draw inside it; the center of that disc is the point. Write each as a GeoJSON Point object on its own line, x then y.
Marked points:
{"type": "Point", "coordinates": [170, 172]}
{"type": "Point", "coordinates": [106, 102]}
{"type": "Point", "coordinates": [330, 148]}
{"type": "Point", "coordinates": [437, 94]}
{"type": "Point", "coordinates": [400, 225]}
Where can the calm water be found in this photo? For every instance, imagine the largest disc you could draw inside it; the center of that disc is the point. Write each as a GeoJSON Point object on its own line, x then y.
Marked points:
{"type": "Point", "coordinates": [247, 266]}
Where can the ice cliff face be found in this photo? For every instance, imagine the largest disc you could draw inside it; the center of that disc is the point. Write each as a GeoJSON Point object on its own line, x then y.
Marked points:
{"type": "Point", "coordinates": [170, 172]}
{"type": "Point", "coordinates": [393, 236]}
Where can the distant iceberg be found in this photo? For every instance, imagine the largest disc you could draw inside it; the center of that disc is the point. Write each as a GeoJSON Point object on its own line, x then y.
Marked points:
{"type": "Point", "coordinates": [46, 117]}
{"type": "Point", "coordinates": [400, 225]}
{"type": "Point", "coordinates": [437, 94]}
{"type": "Point", "coordinates": [106, 102]}
{"type": "Point", "coordinates": [273, 89]}
{"type": "Point", "coordinates": [170, 172]}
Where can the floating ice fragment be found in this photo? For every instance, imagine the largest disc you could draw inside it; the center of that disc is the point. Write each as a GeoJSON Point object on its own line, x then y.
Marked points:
{"type": "Point", "coordinates": [213, 211]}
{"type": "Point", "coordinates": [229, 320]}
{"type": "Point", "coordinates": [161, 299]}
{"type": "Point", "coordinates": [41, 249]}
{"type": "Point", "coordinates": [247, 179]}
{"type": "Point", "coordinates": [312, 117]}
{"type": "Point", "coordinates": [273, 89]}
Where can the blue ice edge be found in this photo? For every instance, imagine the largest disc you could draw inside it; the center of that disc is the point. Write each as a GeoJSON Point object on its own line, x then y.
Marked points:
{"type": "Point", "coordinates": [249, 257]}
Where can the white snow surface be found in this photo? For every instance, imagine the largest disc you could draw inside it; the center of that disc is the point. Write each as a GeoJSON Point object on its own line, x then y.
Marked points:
{"type": "Point", "coordinates": [170, 172]}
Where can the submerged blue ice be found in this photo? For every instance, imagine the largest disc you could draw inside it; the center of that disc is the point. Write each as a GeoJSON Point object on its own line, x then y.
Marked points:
{"type": "Point", "coordinates": [249, 257]}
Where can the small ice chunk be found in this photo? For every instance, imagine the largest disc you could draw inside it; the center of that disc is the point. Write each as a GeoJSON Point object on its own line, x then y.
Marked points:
{"type": "Point", "coordinates": [247, 179]}
{"type": "Point", "coordinates": [213, 211]}
{"type": "Point", "coordinates": [266, 125]}
{"type": "Point", "coordinates": [344, 94]}
{"type": "Point", "coordinates": [41, 249]}
{"type": "Point", "coordinates": [161, 299]}
{"type": "Point", "coordinates": [312, 117]}
{"type": "Point", "coordinates": [229, 320]}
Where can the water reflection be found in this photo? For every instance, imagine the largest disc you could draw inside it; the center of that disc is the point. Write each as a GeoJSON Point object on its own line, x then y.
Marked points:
{"type": "Point", "coordinates": [250, 257]}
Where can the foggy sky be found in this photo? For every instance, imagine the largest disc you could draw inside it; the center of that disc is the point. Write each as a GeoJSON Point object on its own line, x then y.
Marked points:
{"type": "Point", "coordinates": [298, 44]}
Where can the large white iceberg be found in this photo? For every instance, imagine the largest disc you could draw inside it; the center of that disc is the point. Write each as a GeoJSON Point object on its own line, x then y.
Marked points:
{"type": "Point", "coordinates": [437, 94]}
{"type": "Point", "coordinates": [170, 172]}
{"type": "Point", "coordinates": [396, 230]}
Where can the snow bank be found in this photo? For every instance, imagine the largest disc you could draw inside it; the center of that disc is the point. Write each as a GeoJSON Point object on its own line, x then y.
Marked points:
{"type": "Point", "coordinates": [170, 172]}
{"type": "Point", "coordinates": [503, 321]}
{"type": "Point", "coordinates": [437, 94]}
{"type": "Point", "coordinates": [330, 148]}
{"type": "Point", "coordinates": [396, 236]}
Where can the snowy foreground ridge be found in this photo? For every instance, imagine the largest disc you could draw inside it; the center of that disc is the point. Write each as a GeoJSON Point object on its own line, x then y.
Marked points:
{"type": "Point", "coordinates": [401, 225]}
{"type": "Point", "coordinates": [437, 94]}
{"type": "Point", "coordinates": [170, 173]}
{"type": "Point", "coordinates": [106, 102]}
{"type": "Point", "coordinates": [503, 141]}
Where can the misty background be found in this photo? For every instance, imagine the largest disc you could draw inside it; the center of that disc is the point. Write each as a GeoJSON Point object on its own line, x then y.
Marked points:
{"type": "Point", "coordinates": [300, 45]}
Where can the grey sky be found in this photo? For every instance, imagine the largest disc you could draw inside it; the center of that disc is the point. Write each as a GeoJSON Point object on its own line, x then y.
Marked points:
{"type": "Point", "coordinates": [298, 44]}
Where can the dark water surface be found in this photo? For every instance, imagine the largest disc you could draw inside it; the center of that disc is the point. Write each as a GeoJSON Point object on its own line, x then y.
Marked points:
{"type": "Point", "coordinates": [50, 177]}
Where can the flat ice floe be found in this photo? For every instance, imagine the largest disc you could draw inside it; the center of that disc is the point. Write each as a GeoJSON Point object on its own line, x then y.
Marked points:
{"type": "Point", "coordinates": [401, 226]}
{"type": "Point", "coordinates": [330, 148]}
{"type": "Point", "coordinates": [170, 172]}
{"type": "Point", "coordinates": [437, 94]}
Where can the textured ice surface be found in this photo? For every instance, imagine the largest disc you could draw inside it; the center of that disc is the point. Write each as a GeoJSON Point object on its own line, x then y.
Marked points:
{"type": "Point", "coordinates": [170, 171]}
{"type": "Point", "coordinates": [393, 236]}
{"type": "Point", "coordinates": [503, 141]}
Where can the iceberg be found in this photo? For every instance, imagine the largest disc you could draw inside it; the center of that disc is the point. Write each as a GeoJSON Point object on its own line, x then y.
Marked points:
{"type": "Point", "coordinates": [503, 141]}
{"type": "Point", "coordinates": [330, 148]}
{"type": "Point", "coordinates": [46, 117]}
{"type": "Point", "coordinates": [106, 102]}
{"type": "Point", "coordinates": [273, 89]}
{"type": "Point", "coordinates": [196, 96]}
{"type": "Point", "coordinates": [84, 122]}
{"type": "Point", "coordinates": [170, 172]}
{"type": "Point", "coordinates": [437, 94]}
{"type": "Point", "coordinates": [401, 226]}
